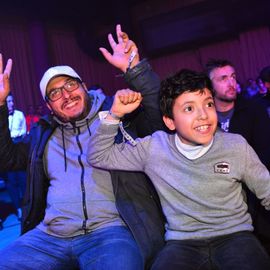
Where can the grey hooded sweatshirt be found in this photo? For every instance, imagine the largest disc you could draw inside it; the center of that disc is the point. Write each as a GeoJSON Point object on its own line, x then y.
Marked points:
{"type": "Point", "coordinates": [80, 198]}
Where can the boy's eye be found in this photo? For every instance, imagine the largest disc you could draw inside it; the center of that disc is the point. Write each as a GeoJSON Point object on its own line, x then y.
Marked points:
{"type": "Point", "coordinates": [188, 109]}
{"type": "Point", "coordinates": [210, 104]}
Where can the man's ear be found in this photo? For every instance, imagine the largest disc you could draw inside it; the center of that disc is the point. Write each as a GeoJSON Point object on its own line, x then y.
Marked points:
{"type": "Point", "coordinates": [48, 105]}
{"type": "Point", "coordinates": [84, 87]}
{"type": "Point", "coordinates": [169, 123]}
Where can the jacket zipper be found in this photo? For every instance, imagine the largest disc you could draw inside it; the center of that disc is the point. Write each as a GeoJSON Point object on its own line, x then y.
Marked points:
{"type": "Point", "coordinates": [82, 181]}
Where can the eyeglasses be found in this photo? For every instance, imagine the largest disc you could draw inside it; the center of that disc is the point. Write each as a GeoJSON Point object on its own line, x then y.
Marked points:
{"type": "Point", "coordinates": [57, 93]}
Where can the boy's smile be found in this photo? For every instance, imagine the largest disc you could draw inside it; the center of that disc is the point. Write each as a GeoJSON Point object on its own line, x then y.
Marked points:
{"type": "Point", "coordinates": [195, 118]}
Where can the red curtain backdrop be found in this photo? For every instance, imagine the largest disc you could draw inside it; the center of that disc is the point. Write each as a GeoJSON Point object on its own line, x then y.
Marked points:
{"type": "Point", "coordinates": [250, 52]}
{"type": "Point", "coordinates": [15, 44]}
{"type": "Point", "coordinates": [65, 51]}
{"type": "Point", "coordinates": [34, 47]}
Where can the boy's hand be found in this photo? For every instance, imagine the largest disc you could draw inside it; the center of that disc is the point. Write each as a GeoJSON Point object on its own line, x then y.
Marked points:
{"type": "Point", "coordinates": [121, 50]}
{"type": "Point", "coordinates": [4, 80]}
{"type": "Point", "coordinates": [125, 101]}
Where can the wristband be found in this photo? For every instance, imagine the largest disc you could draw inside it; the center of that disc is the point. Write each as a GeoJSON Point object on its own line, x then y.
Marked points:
{"type": "Point", "coordinates": [131, 58]}
{"type": "Point", "coordinates": [114, 116]}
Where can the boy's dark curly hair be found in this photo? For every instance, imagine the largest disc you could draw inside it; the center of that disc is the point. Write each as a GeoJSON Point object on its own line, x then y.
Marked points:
{"type": "Point", "coordinates": [183, 81]}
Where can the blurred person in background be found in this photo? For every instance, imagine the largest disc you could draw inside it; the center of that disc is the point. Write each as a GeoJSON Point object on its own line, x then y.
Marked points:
{"type": "Point", "coordinates": [248, 118]}
{"type": "Point", "coordinates": [16, 180]}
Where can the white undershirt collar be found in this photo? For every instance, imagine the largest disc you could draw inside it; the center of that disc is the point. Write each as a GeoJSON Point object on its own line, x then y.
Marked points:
{"type": "Point", "coordinates": [191, 151]}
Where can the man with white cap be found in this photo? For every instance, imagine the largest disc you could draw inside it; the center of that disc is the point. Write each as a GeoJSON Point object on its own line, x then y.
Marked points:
{"type": "Point", "coordinates": [75, 215]}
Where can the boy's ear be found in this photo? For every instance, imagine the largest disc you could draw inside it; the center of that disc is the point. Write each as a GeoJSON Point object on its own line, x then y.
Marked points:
{"type": "Point", "coordinates": [169, 123]}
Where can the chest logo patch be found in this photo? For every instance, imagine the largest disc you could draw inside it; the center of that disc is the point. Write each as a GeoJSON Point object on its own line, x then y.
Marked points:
{"type": "Point", "coordinates": [222, 167]}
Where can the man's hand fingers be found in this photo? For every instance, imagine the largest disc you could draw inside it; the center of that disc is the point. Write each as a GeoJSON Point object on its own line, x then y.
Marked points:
{"type": "Point", "coordinates": [119, 33]}
{"type": "Point", "coordinates": [106, 54]}
{"type": "Point", "coordinates": [6, 82]}
{"type": "Point", "coordinates": [1, 63]}
{"type": "Point", "coordinates": [112, 41]}
{"type": "Point", "coordinates": [130, 46]}
{"type": "Point", "coordinates": [4, 79]}
{"type": "Point", "coordinates": [122, 37]}
{"type": "Point", "coordinates": [125, 37]}
{"type": "Point", "coordinates": [8, 67]}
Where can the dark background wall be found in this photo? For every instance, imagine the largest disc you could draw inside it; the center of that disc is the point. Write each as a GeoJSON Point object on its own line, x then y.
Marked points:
{"type": "Point", "coordinates": [172, 34]}
{"type": "Point", "coordinates": [160, 26]}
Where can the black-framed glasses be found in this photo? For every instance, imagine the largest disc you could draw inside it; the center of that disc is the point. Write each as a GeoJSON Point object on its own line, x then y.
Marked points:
{"type": "Point", "coordinates": [57, 93]}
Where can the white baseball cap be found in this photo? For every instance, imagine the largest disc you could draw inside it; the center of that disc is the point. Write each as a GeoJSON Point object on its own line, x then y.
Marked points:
{"type": "Point", "coordinates": [55, 72]}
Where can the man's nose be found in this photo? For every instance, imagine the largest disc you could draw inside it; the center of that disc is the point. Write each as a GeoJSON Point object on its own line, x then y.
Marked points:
{"type": "Point", "coordinates": [65, 93]}
{"type": "Point", "coordinates": [232, 81]}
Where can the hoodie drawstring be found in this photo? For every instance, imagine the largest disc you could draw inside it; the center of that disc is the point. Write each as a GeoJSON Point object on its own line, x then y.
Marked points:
{"type": "Point", "coordinates": [64, 147]}
{"type": "Point", "coordinates": [88, 127]}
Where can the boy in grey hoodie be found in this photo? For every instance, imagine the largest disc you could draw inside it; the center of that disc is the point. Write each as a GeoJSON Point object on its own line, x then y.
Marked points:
{"type": "Point", "coordinates": [198, 172]}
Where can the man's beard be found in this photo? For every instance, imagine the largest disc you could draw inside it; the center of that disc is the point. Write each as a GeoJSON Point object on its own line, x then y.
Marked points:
{"type": "Point", "coordinates": [227, 100]}
{"type": "Point", "coordinates": [82, 115]}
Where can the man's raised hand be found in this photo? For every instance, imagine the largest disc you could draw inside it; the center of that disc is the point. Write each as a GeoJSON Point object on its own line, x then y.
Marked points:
{"type": "Point", "coordinates": [122, 50]}
{"type": "Point", "coordinates": [4, 80]}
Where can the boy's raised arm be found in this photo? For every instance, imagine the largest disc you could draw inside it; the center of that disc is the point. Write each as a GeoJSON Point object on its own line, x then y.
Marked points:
{"type": "Point", "coordinates": [125, 101]}
{"type": "Point", "coordinates": [102, 152]}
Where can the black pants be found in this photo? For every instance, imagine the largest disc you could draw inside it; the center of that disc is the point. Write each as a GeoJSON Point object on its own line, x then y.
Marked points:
{"type": "Point", "coordinates": [237, 251]}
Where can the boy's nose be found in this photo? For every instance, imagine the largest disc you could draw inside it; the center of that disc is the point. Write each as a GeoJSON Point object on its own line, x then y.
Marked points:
{"type": "Point", "coordinates": [203, 114]}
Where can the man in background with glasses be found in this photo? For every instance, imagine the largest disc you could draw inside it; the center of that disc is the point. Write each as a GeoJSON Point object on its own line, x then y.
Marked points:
{"type": "Point", "coordinates": [75, 215]}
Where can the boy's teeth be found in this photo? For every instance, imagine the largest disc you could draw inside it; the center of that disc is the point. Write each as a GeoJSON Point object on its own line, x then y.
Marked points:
{"type": "Point", "coordinates": [201, 128]}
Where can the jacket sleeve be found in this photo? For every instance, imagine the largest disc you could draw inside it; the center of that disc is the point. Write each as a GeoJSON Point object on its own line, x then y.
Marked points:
{"type": "Point", "coordinates": [12, 156]}
{"type": "Point", "coordinates": [143, 79]}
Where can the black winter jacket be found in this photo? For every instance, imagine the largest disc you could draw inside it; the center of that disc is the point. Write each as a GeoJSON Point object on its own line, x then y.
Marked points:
{"type": "Point", "coordinates": [250, 119]}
